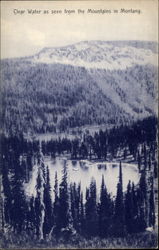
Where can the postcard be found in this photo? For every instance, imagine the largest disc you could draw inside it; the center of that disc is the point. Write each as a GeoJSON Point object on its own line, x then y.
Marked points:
{"type": "Point", "coordinates": [79, 115]}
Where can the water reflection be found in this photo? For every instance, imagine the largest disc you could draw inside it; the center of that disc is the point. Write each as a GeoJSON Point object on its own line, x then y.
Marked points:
{"type": "Point", "coordinates": [83, 171]}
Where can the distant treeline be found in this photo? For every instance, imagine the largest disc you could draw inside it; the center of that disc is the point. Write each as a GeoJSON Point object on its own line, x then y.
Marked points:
{"type": "Point", "coordinates": [124, 140]}
{"type": "Point", "coordinates": [136, 143]}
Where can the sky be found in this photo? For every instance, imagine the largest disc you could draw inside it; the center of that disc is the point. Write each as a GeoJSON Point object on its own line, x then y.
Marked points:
{"type": "Point", "coordinates": [25, 34]}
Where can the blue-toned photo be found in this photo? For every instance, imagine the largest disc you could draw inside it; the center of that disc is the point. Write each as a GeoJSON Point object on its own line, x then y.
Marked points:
{"type": "Point", "coordinates": [78, 139]}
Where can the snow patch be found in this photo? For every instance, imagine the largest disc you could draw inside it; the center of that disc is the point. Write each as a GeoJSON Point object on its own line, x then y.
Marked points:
{"type": "Point", "coordinates": [149, 229]}
{"type": "Point", "coordinates": [92, 55]}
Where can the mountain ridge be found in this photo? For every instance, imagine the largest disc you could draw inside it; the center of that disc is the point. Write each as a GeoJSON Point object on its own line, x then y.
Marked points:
{"type": "Point", "coordinates": [46, 97]}
{"type": "Point", "coordinates": [151, 45]}
{"type": "Point", "coordinates": [99, 54]}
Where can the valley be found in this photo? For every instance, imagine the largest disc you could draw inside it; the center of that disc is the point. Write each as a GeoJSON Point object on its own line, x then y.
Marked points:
{"type": "Point", "coordinates": [79, 146]}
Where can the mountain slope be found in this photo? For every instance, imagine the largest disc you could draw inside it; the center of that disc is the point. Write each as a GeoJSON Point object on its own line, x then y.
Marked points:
{"type": "Point", "coordinates": [47, 97]}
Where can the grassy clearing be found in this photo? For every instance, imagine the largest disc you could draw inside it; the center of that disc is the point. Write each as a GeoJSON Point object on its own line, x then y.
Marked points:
{"type": "Point", "coordinates": [138, 241]}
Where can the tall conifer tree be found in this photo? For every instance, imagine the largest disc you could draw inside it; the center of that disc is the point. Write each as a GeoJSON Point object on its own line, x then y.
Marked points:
{"type": "Point", "coordinates": [91, 210]}
{"type": "Point", "coordinates": [64, 200]}
{"type": "Point", "coordinates": [48, 218]}
{"type": "Point", "coordinates": [119, 216]}
{"type": "Point", "coordinates": [105, 211]}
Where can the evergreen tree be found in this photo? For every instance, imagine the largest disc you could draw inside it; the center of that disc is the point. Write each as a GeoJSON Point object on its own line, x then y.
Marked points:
{"type": "Point", "coordinates": [75, 205]}
{"type": "Point", "coordinates": [151, 207]}
{"type": "Point", "coordinates": [145, 156]}
{"type": "Point", "coordinates": [81, 216]}
{"type": "Point", "coordinates": [75, 148]}
{"type": "Point", "coordinates": [48, 218]}
{"type": "Point", "coordinates": [56, 187]}
{"type": "Point", "coordinates": [97, 146]}
{"type": "Point", "coordinates": [29, 163]}
{"type": "Point", "coordinates": [91, 210]}
{"type": "Point", "coordinates": [119, 216]}
{"type": "Point", "coordinates": [63, 219]}
{"type": "Point", "coordinates": [105, 211]}
{"type": "Point", "coordinates": [130, 210]}
{"type": "Point", "coordinates": [7, 193]}
{"type": "Point", "coordinates": [30, 228]}
{"type": "Point", "coordinates": [56, 208]}
{"type": "Point", "coordinates": [19, 205]}
{"type": "Point", "coordinates": [103, 146]}
{"type": "Point", "coordinates": [141, 203]}
{"type": "Point", "coordinates": [136, 213]}
{"type": "Point", "coordinates": [83, 152]}
{"type": "Point", "coordinates": [141, 219]}
{"type": "Point", "coordinates": [139, 161]}
{"type": "Point", "coordinates": [90, 145]}
{"type": "Point", "coordinates": [38, 206]}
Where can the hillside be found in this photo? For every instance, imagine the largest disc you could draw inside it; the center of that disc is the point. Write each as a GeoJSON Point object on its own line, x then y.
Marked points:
{"type": "Point", "coordinates": [89, 83]}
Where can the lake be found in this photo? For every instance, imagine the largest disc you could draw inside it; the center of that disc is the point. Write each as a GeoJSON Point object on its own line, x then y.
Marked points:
{"type": "Point", "coordinates": [83, 171]}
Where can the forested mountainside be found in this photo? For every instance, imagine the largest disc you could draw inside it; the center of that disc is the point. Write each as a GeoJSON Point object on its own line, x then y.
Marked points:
{"type": "Point", "coordinates": [90, 83]}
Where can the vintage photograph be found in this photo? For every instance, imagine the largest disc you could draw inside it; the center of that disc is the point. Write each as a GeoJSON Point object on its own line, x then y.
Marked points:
{"type": "Point", "coordinates": [79, 116]}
